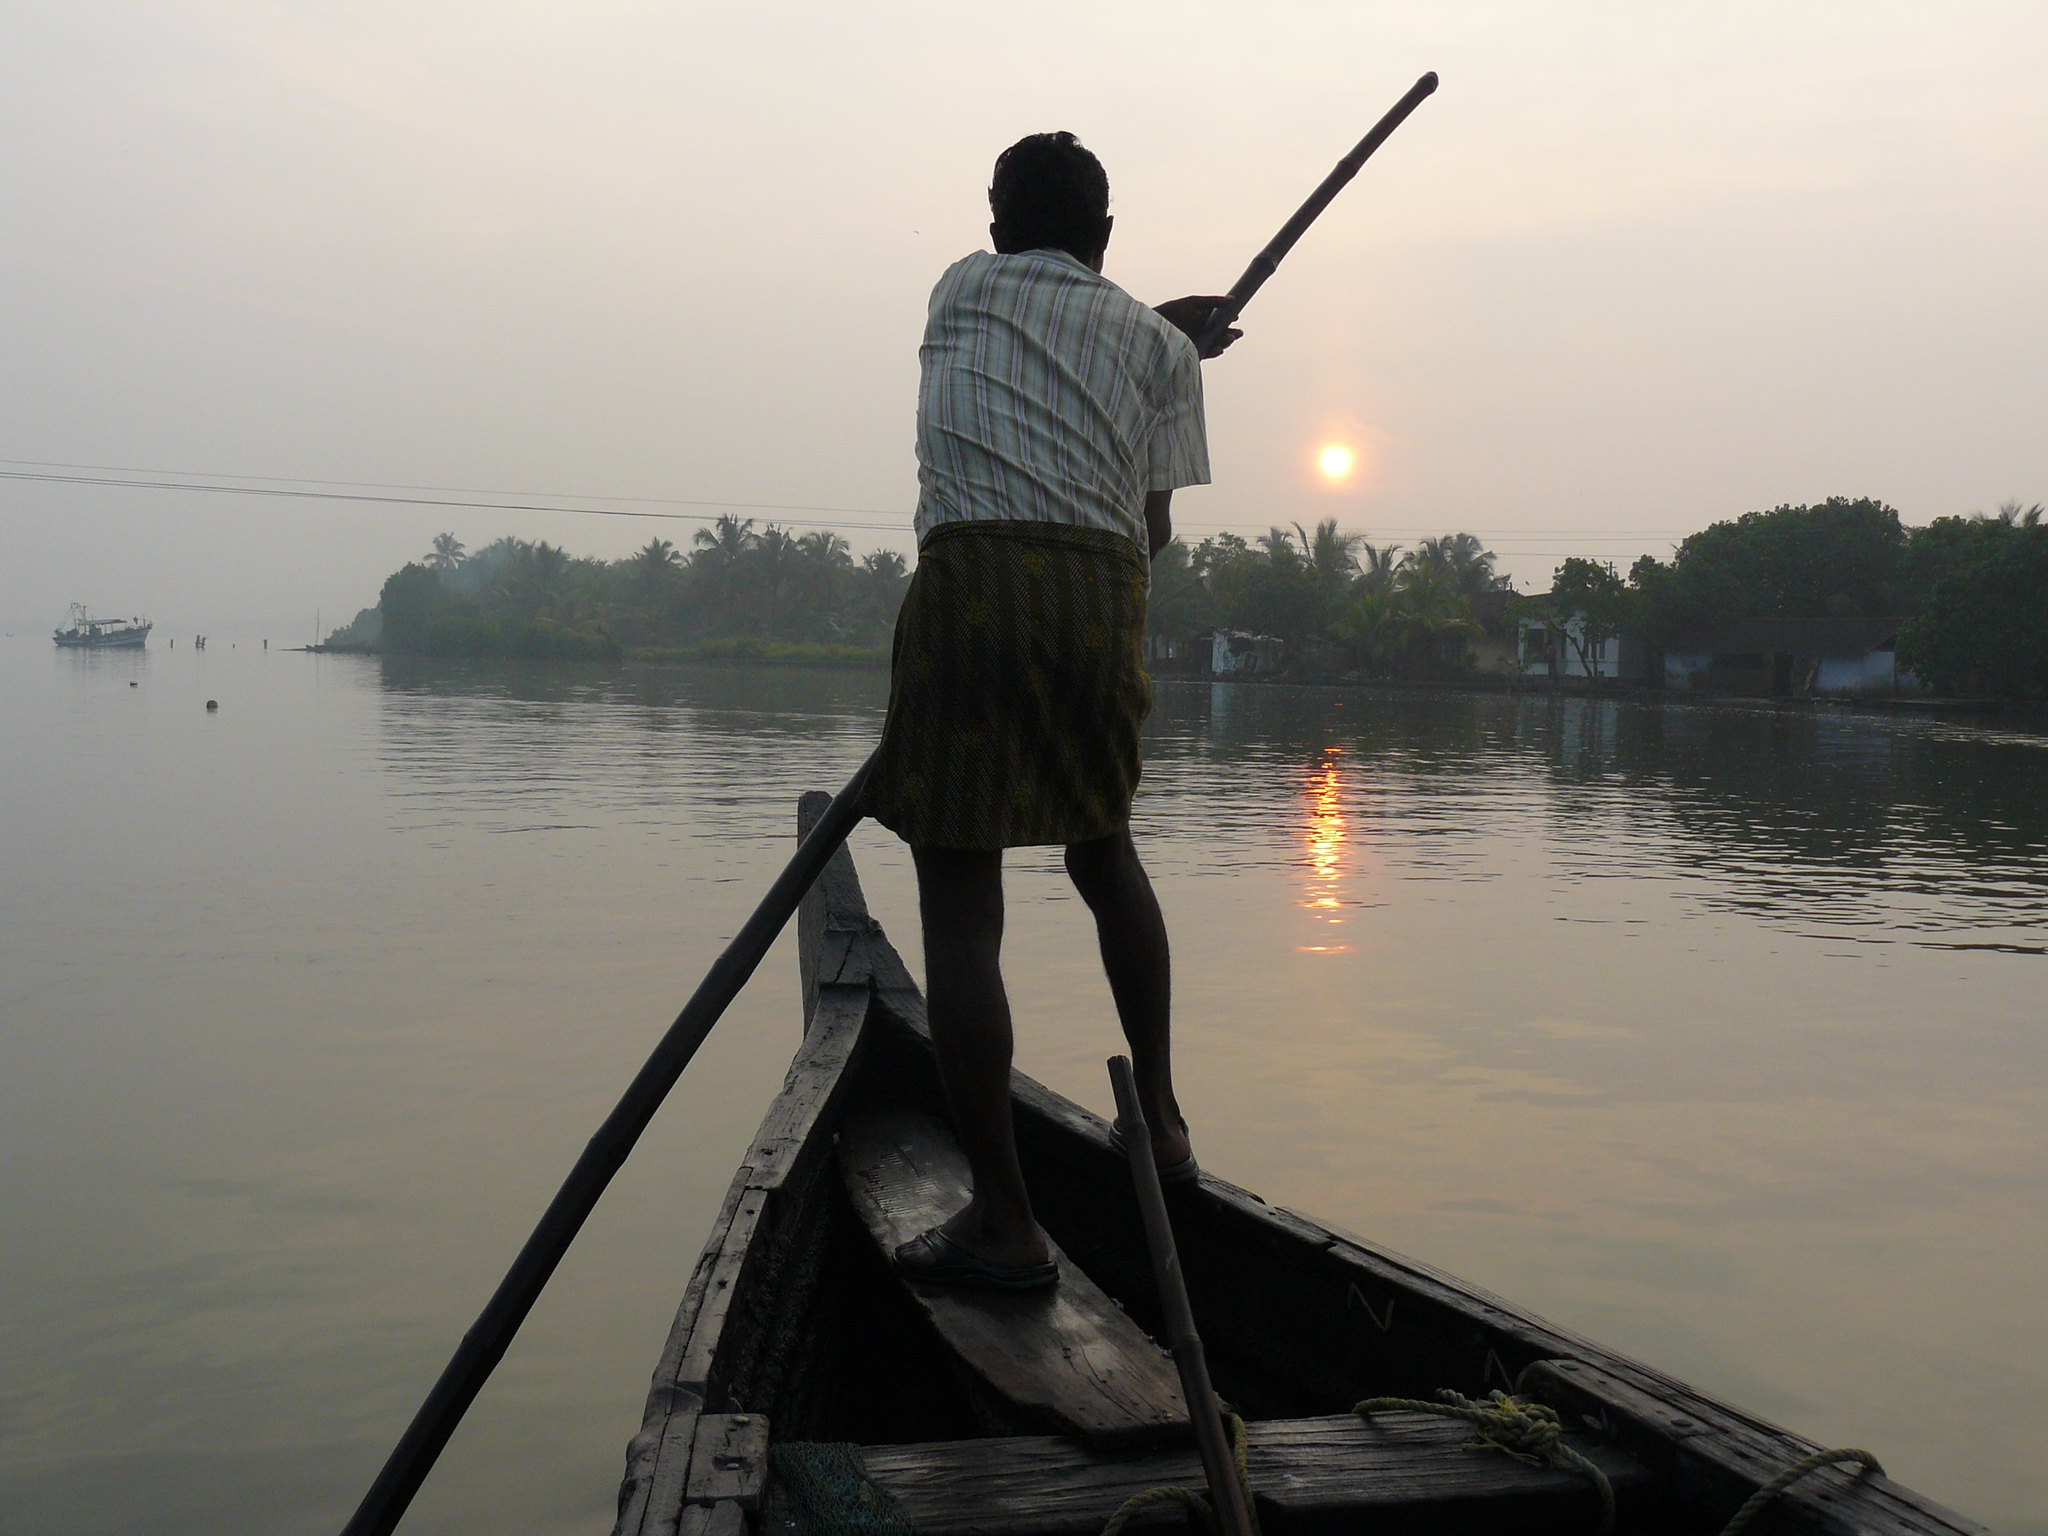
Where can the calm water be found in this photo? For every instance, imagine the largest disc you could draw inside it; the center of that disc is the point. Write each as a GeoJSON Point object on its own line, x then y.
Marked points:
{"type": "Point", "coordinates": [1716, 1033]}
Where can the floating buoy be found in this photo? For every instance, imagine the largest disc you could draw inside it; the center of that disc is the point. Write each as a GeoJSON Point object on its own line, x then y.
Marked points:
{"type": "Point", "coordinates": [213, 703]}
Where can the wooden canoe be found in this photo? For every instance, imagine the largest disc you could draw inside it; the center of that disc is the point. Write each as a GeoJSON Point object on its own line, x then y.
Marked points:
{"type": "Point", "coordinates": [951, 1413]}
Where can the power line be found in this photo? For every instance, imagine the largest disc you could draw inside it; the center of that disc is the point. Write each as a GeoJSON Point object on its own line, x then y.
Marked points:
{"type": "Point", "coordinates": [209, 480]}
{"type": "Point", "coordinates": [361, 491]}
{"type": "Point", "coordinates": [217, 488]}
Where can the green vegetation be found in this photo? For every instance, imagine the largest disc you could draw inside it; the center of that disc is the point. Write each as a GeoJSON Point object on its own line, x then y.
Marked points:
{"type": "Point", "coordinates": [739, 593]}
{"type": "Point", "coordinates": [1370, 607]}
{"type": "Point", "coordinates": [1592, 593]}
{"type": "Point", "coordinates": [743, 594]}
{"type": "Point", "coordinates": [1983, 627]}
{"type": "Point", "coordinates": [1973, 592]}
{"type": "Point", "coordinates": [747, 648]}
{"type": "Point", "coordinates": [1840, 559]}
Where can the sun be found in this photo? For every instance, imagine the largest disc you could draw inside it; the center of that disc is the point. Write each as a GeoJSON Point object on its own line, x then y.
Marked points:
{"type": "Point", "coordinates": [1336, 462]}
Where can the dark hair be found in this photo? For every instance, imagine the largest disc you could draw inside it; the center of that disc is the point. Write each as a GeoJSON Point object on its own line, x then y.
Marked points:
{"type": "Point", "coordinates": [1049, 192]}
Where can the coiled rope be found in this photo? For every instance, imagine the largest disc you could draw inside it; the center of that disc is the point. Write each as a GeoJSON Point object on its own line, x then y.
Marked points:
{"type": "Point", "coordinates": [1532, 1432]}
{"type": "Point", "coordinates": [1194, 1500]}
{"type": "Point", "coordinates": [1527, 1430]}
{"type": "Point", "coordinates": [1785, 1479]}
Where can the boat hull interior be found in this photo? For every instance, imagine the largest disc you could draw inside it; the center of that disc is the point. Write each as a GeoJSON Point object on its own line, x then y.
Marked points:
{"type": "Point", "coordinates": [795, 1331]}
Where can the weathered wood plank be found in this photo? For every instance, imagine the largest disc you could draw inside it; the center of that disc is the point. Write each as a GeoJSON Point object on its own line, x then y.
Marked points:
{"type": "Point", "coordinates": [658, 1459]}
{"type": "Point", "coordinates": [1406, 1471]}
{"type": "Point", "coordinates": [700, 1355]}
{"type": "Point", "coordinates": [1713, 1458]}
{"type": "Point", "coordinates": [729, 1460]}
{"type": "Point", "coordinates": [1067, 1358]}
{"type": "Point", "coordinates": [1297, 1300]}
{"type": "Point", "coordinates": [652, 1495]}
{"type": "Point", "coordinates": [724, 1519]}
{"type": "Point", "coordinates": [834, 903]}
{"type": "Point", "coordinates": [648, 1501]}
{"type": "Point", "coordinates": [671, 1471]}
{"type": "Point", "coordinates": [811, 1092]}
{"type": "Point", "coordinates": [833, 928]}
{"type": "Point", "coordinates": [1356, 1308]}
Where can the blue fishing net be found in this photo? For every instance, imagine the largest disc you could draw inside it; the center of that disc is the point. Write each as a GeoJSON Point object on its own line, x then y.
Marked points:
{"type": "Point", "coordinates": [824, 1490]}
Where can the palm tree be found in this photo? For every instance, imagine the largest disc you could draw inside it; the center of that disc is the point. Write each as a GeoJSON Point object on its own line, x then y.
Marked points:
{"type": "Point", "coordinates": [1380, 569]}
{"type": "Point", "coordinates": [1373, 624]}
{"type": "Point", "coordinates": [656, 557]}
{"type": "Point", "coordinates": [885, 565]}
{"type": "Point", "coordinates": [1334, 555]}
{"type": "Point", "coordinates": [722, 544]}
{"type": "Point", "coordinates": [775, 546]}
{"type": "Point", "coordinates": [1435, 608]}
{"type": "Point", "coordinates": [446, 554]}
{"type": "Point", "coordinates": [1333, 563]}
{"type": "Point", "coordinates": [654, 577]}
{"type": "Point", "coordinates": [489, 574]}
{"type": "Point", "coordinates": [825, 550]}
{"type": "Point", "coordinates": [1467, 562]}
{"type": "Point", "coordinates": [1278, 544]}
{"type": "Point", "coordinates": [535, 580]}
{"type": "Point", "coordinates": [770, 565]}
{"type": "Point", "coordinates": [877, 593]}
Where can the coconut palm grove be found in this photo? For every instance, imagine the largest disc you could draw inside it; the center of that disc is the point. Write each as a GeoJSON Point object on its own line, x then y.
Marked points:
{"type": "Point", "coordinates": [1972, 592]}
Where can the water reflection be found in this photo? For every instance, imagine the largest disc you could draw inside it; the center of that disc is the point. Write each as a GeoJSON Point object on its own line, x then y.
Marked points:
{"type": "Point", "coordinates": [1831, 824]}
{"type": "Point", "coordinates": [545, 748]}
{"type": "Point", "coordinates": [1324, 839]}
{"type": "Point", "coordinates": [1827, 822]}
{"type": "Point", "coordinates": [1673, 1021]}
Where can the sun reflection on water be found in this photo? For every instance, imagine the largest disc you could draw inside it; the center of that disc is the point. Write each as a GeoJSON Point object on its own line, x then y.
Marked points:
{"type": "Point", "coordinates": [1325, 836]}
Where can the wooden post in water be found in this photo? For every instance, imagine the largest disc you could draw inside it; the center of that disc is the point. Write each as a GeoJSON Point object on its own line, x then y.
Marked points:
{"type": "Point", "coordinates": [1226, 1495]}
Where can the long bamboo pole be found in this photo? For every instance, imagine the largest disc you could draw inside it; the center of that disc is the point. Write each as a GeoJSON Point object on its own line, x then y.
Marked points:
{"type": "Point", "coordinates": [489, 1337]}
{"type": "Point", "coordinates": [1267, 261]}
{"type": "Point", "coordinates": [1226, 1496]}
{"type": "Point", "coordinates": [485, 1343]}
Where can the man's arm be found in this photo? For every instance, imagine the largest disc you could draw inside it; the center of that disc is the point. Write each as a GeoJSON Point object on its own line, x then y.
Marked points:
{"type": "Point", "coordinates": [1158, 520]}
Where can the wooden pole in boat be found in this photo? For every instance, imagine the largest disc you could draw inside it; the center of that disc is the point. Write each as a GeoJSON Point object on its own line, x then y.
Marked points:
{"type": "Point", "coordinates": [1226, 1495]}
{"type": "Point", "coordinates": [485, 1343]}
{"type": "Point", "coordinates": [1267, 261]}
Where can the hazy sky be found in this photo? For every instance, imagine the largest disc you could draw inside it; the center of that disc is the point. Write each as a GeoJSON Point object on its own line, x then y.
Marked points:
{"type": "Point", "coordinates": [1634, 268]}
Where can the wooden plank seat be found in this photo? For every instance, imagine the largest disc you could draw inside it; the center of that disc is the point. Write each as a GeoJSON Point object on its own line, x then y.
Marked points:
{"type": "Point", "coordinates": [1403, 1471]}
{"type": "Point", "coordinates": [1065, 1359]}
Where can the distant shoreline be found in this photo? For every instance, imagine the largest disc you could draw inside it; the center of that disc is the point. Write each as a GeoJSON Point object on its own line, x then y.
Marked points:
{"type": "Point", "coordinates": [741, 651]}
{"type": "Point", "coordinates": [752, 652]}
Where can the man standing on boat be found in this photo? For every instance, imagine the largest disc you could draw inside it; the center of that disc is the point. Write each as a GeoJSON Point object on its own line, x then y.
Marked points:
{"type": "Point", "coordinates": [1056, 417]}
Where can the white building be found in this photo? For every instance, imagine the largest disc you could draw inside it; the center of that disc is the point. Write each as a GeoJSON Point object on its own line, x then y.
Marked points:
{"type": "Point", "coordinates": [1767, 657]}
{"type": "Point", "coordinates": [1547, 650]}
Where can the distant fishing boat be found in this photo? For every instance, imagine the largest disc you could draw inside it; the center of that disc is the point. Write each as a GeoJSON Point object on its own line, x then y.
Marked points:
{"type": "Point", "coordinates": [82, 631]}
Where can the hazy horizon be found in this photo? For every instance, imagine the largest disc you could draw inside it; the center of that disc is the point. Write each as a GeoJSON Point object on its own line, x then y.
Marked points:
{"type": "Point", "coordinates": [1631, 271]}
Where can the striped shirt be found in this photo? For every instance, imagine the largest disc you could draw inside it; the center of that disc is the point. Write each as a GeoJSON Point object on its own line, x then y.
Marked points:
{"type": "Point", "coordinates": [1048, 394]}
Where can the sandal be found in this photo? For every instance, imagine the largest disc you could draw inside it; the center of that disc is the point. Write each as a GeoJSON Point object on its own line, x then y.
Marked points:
{"type": "Point", "coordinates": [1185, 1172]}
{"type": "Point", "coordinates": [936, 1259]}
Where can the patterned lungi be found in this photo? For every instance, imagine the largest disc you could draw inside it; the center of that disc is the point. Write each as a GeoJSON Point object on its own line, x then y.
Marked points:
{"type": "Point", "coordinates": [1017, 689]}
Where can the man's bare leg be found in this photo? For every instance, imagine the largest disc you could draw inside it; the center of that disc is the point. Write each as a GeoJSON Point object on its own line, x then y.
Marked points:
{"type": "Point", "coordinates": [960, 899]}
{"type": "Point", "coordinates": [1135, 956]}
